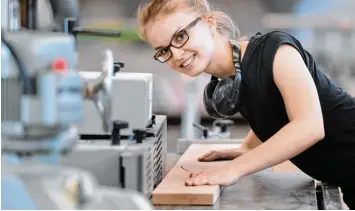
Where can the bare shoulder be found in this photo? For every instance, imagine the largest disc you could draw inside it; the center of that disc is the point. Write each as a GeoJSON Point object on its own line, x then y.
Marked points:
{"type": "Point", "coordinates": [295, 83]}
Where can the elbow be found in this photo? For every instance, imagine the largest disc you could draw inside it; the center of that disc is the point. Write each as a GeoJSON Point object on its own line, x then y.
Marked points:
{"type": "Point", "coordinates": [313, 129]}
{"type": "Point", "coordinates": [320, 133]}
{"type": "Point", "coordinates": [317, 130]}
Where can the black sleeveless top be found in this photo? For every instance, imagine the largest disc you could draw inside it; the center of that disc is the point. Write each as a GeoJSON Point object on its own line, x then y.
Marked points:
{"type": "Point", "coordinates": [331, 159]}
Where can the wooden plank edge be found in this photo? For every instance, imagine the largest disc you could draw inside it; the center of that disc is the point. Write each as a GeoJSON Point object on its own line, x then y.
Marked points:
{"type": "Point", "coordinates": [185, 198]}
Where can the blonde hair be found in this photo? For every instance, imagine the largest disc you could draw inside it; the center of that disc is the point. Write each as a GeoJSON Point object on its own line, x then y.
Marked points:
{"type": "Point", "coordinates": [224, 24]}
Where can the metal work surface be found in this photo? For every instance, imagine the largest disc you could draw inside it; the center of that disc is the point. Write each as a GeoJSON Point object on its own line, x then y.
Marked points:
{"type": "Point", "coordinates": [331, 198]}
{"type": "Point", "coordinates": [264, 190]}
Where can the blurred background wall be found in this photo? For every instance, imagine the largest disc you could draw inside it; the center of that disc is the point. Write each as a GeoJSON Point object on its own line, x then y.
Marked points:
{"type": "Point", "coordinates": [325, 27]}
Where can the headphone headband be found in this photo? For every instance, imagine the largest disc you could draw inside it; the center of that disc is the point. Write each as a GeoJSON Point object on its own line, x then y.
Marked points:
{"type": "Point", "coordinates": [221, 95]}
{"type": "Point", "coordinates": [237, 55]}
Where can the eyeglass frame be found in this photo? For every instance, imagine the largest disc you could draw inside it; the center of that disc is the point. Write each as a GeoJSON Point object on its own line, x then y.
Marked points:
{"type": "Point", "coordinates": [184, 30]}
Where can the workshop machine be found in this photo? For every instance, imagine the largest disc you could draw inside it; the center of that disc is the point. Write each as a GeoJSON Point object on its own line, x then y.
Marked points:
{"type": "Point", "coordinates": [42, 106]}
{"type": "Point", "coordinates": [133, 154]}
{"type": "Point", "coordinates": [130, 150]}
{"type": "Point", "coordinates": [135, 162]}
{"type": "Point", "coordinates": [219, 133]}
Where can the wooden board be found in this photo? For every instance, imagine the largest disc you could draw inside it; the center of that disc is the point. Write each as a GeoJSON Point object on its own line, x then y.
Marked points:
{"type": "Point", "coordinates": [172, 190]}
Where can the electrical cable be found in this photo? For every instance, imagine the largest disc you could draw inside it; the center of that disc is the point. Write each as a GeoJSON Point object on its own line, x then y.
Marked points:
{"type": "Point", "coordinates": [24, 76]}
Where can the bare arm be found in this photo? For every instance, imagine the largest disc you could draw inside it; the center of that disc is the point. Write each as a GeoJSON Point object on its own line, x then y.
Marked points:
{"type": "Point", "coordinates": [300, 96]}
{"type": "Point", "coordinates": [251, 140]}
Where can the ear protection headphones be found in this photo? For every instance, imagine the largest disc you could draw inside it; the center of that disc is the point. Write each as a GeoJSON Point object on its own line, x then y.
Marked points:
{"type": "Point", "coordinates": [221, 98]}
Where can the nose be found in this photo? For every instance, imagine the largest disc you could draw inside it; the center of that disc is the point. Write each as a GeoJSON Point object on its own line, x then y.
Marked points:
{"type": "Point", "coordinates": [177, 53]}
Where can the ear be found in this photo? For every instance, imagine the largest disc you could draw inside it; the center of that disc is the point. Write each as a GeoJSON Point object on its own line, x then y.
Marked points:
{"type": "Point", "coordinates": [211, 21]}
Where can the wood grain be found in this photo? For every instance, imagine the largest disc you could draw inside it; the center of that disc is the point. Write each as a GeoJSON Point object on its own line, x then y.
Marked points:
{"type": "Point", "coordinates": [172, 190]}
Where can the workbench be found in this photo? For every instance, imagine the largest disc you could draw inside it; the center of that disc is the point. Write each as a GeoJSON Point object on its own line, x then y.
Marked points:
{"type": "Point", "coordinates": [270, 190]}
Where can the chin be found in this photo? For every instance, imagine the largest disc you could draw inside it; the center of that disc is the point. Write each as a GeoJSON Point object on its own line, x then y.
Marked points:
{"type": "Point", "coordinates": [194, 73]}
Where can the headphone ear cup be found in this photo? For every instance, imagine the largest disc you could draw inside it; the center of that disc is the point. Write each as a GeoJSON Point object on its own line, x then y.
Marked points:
{"type": "Point", "coordinates": [225, 96]}
{"type": "Point", "coordinates": [208, 101]}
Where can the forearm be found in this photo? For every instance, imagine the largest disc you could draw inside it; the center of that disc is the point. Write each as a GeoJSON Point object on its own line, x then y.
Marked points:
{"type": "Point", "coordinates": [251, 141]}
{"type": "Point", "coordinates": [294, 138]}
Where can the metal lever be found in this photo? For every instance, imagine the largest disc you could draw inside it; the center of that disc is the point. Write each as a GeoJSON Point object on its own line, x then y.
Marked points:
{"type": "Point", "coordinates": [115, 135]}
{"type": "Point", "coordinates": [101, 92]}
{"type": "Point", "coordinates": [204, 129]}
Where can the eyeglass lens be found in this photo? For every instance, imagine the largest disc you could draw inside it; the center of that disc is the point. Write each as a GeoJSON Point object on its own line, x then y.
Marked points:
{"type": "Point", "coordinates": [178, 41]}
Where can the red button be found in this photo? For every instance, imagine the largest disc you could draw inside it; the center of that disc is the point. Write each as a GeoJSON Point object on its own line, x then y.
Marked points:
{"type": "Point", "coordinates": [59, 65]}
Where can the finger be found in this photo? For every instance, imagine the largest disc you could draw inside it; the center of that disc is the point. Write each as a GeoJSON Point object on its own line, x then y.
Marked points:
{"type": "Point", "coordinates": [194, 174]}
{"type": "Point", "coordinates": [201, 158]}
{"type": "Point", "coordinates": [203, 181]}
{"type": "Point", "coordinates": [214, 156]}
{"type": "Point", "coordinates": [196, 182]}
{"type": "Point", "coordinates": [212, 181]}
{"type": "Point", "coordinates": [189, 182]}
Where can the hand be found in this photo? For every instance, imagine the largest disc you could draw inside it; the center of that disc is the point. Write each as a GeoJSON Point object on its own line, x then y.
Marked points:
{"type": "Point", "coordinates": [226, 154]}
{"type": "Point", "coordinates": [223, 175]}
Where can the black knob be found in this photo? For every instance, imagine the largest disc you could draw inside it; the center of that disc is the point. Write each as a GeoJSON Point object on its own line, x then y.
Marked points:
{"type": "Point", "coordinates": [223, 128]}
{"type": "Point", "coordinates": [117, 67]}
{"type": "Point", "coordinates": [139, 135]}
{"type": "Point", "coordinates": [223, 124]}
{"type": "Point", "coordinates": [204, 129]}
{"type": "Point", "coordinates": [118, 124]}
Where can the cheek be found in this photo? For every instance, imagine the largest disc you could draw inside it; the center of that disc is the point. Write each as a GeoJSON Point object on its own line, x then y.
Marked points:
{"type": "Point", "coordinates": [205, 47]}
{"type": "Point", "coordinates": [172, 64]}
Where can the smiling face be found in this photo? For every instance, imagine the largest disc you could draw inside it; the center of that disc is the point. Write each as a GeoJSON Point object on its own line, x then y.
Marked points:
{"type": "Point", "coordinates": [186, 41]}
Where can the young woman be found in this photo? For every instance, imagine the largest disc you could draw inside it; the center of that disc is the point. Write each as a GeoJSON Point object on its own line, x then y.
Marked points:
{"type": "Point", "coordinates": [294, 111]}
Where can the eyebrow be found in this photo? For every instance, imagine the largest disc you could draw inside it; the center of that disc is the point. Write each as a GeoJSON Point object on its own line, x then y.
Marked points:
{"type": "Point", "coordinates": [172, 36]}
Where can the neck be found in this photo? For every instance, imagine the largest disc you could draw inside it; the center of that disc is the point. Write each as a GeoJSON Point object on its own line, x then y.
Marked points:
{"type": "Point", "coordinates": [222, 62]}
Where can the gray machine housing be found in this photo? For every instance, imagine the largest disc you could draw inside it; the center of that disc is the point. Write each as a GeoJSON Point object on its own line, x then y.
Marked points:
{"type": "Point", "coordinates": [30, 175]}
{"type": "Point", "coordinates": [55, 187]}
{"type": "Point", "coordinates": [26, 44]}
{"type": "Point", "coordinates": [135, 166]}
{"type": "Point", "coordinates": [131, 102]}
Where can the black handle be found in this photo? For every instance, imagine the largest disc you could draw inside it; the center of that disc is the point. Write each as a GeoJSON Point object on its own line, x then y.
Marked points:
{"type": "Point", "coordinates": [204, 129]}
{"type": "Point", "coordinates": [117, 67]}
{"type": "Point", "coordinates": [151, 122]}
{"type": "Point", "coordinates": [223, 124]}
{"type": "Point", "coordinates": [116, 135]}
{"type": "Point", "coordinates": [140, 135]}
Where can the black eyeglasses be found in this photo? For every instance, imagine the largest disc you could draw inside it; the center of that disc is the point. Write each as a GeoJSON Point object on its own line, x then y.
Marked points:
{"type": "Point", "coordinates": [178, 41]}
